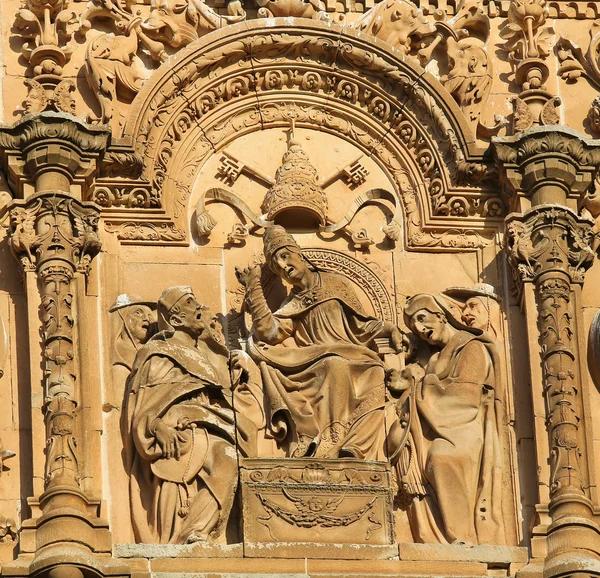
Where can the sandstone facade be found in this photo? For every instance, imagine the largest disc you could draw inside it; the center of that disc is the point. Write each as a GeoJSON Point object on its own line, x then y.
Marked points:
{"type": "Point", "coordinates": [299, 288]}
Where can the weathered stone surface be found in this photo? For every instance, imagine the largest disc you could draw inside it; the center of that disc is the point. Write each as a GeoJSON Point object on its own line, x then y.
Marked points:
{"type": "Point", "coordinates": [485, 553]}
{"type": "Point", "coordinates": [338, 502]}
{"type": "Point", "coordinates": [379, 223]}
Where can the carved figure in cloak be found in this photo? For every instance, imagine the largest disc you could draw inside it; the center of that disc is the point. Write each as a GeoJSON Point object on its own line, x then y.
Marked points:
{"type": "Point", "coordinates": [323, 382]}
{"type": "Point", "coordinates": [137, 323]}
{"type": "Point", "coordinates": [453, 475]}
{"type": "Point", "coordinates": [182, 434]}
{"type": "Point", "coordinates": [480, 307]}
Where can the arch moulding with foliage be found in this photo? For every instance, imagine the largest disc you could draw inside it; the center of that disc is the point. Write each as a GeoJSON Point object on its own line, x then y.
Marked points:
{"type": "Point", "coordinates": [248, 77]}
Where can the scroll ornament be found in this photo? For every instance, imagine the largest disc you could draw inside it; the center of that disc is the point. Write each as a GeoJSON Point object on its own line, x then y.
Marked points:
{"type": "Point", "coordinates": [112, 63]}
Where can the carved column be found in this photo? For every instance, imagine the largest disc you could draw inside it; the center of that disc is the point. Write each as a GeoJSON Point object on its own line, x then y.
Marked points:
{"type": "Point", "coordinates": [50, 160]}
{"type": "Point", "coordinates": [545, 173]}
{"type": "Point", "coordinates": [57, 236]}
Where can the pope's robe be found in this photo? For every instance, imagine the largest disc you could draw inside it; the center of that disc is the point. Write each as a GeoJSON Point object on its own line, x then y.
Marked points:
{"type": "Point", "coordinates": [458, 445]}
{"type": "Point", "coordinates": [325, 392]}
{"type": "Point", "coordinates": [190, 498]}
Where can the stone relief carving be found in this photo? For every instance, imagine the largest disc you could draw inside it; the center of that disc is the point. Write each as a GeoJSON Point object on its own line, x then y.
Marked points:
{"type": "Point", "coordinates": [56, 236]}
{"type": "Point", "coordinates": [527, 37]}
{"type": "Point", "coordinates": [480, 307]}
{"type": "Point", "coordinates": [464, 37]}
{"type": "Point", "coordinates": [397, 22]}
{"type": "Point", "coordinates": [314, 9]}
{"type": "Point", "coordinates": [297, 195]}
{"type": "Point", "coordinates": [113, 68]}
{"type": "Point", "coordinates": [271, 76]}
{"type": "Point", "coordinates": [551, 247]}
{"type": "Point", "coordinates": [308, 500]}
{"type": "Point", "coordinates": [325, 320]}
{"type": "Point", "coordinates": [452, 476]}
{"type": "Point", "coordinates": [47, 27]}
{"type": "Point", "coordinates": [137, 323]}
{"type": "Point", "coordinates": [575, 63]}
{"type": "Point", "coordinates": [181, 428]}
{"type": "Point", "coordinates": [8, 530]}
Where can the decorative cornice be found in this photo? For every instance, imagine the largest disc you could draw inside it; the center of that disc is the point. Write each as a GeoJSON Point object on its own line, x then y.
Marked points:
{"type": "Point", "coordinates": [54, 125]}
{"type": "Point", "coordinates": [546, 157]}
{"type": "Point", "coordinates": [50, 141]}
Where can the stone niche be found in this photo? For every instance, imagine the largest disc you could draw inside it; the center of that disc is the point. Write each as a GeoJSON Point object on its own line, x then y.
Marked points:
{"type": "Point", "coordinates": [324, 501]}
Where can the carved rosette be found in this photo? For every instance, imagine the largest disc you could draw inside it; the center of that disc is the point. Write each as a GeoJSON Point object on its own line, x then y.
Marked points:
{"type": "Point", "coordinates": [57, 236]}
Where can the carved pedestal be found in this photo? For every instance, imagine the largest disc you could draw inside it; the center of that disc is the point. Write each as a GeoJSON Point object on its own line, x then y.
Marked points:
{"type": "Point", "coordinates": [317, 501]}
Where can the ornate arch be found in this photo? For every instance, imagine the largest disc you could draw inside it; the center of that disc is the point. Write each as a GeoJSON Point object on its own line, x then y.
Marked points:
{"type": "Point", "coordinates": [359, 273]}
{"type": "Point", "coordinates": [325, 77]}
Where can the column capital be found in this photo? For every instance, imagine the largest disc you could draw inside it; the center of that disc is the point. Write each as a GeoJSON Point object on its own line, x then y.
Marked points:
{"type": "Point", "coordinates": [51, 151]}
{"type": "Point", "coordinates": [549, 239]}
{"type": "Point", "coordinates": [53, 228]}
{"type": "Point", "coordinates": [546, 165]}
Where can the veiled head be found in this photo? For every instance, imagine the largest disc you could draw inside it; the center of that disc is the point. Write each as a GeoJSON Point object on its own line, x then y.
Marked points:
{"type": "Point", "coordinates": [433, 318]}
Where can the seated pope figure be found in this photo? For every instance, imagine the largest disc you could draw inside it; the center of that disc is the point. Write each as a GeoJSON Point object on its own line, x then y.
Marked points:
{"type": "Point", "coordinates": [456, 475]}
{"type": "Point", "coordinates": [183, 470]}
{"type": "Point", "coordinates": [323, 381]}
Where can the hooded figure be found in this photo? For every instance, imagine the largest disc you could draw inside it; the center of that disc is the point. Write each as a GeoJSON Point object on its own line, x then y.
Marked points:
{"type": "Point", "coordinates": [456, 472]}
{"type": "Point", "coordinates": [181, 435]}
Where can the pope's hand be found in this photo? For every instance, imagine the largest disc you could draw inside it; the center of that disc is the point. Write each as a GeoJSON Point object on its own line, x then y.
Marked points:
{"type": "Point", "coordinates": [168, 439]}
{"type": "Point", "coordinates": [248, 275]}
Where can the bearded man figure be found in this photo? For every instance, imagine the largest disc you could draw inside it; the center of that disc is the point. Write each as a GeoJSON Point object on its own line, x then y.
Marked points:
{"type": "Point", "coordinates": [324, 382]}
{"type": "Point", "coordinates": [183, 473]}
